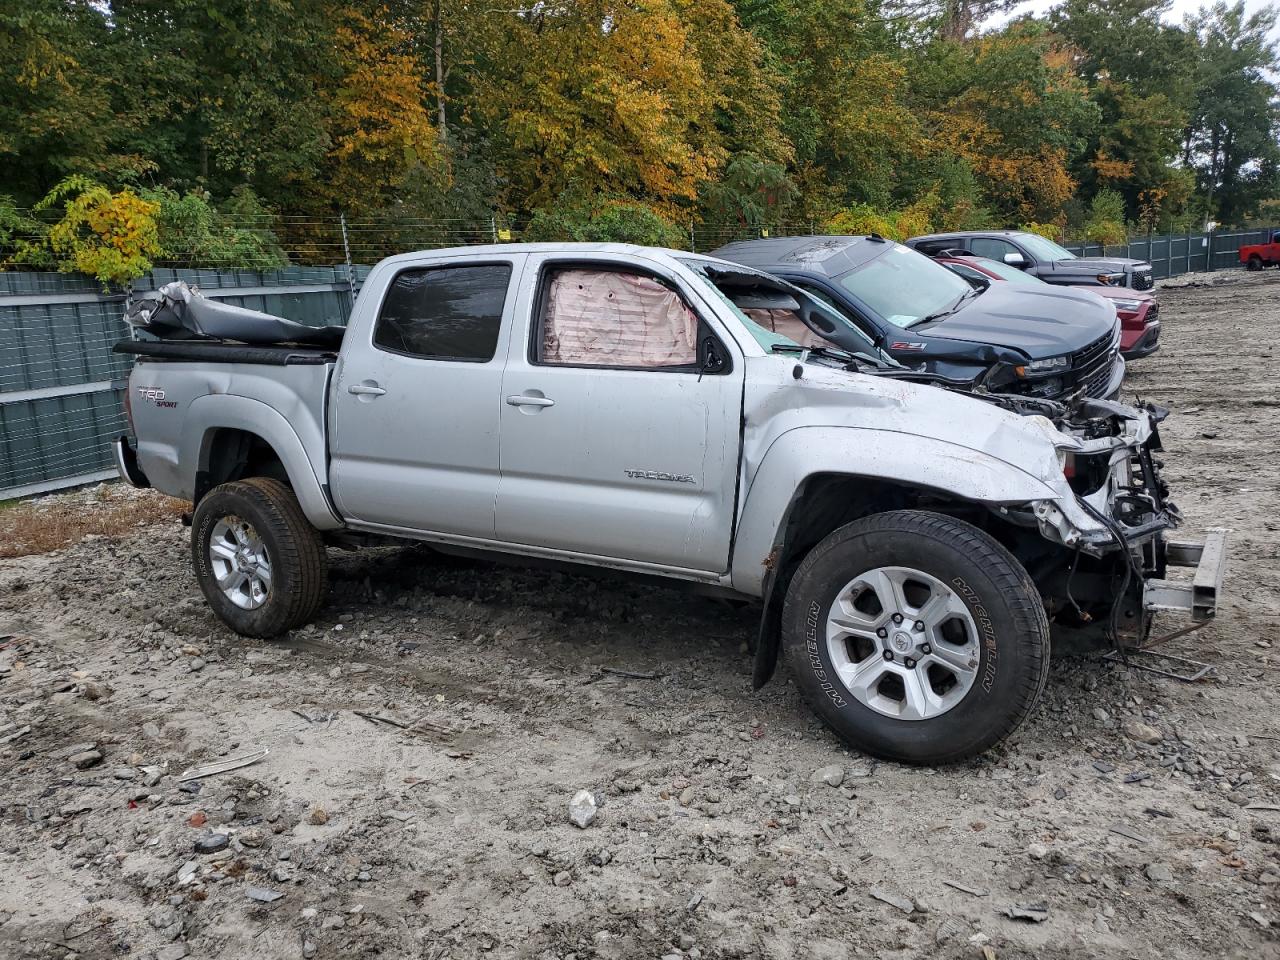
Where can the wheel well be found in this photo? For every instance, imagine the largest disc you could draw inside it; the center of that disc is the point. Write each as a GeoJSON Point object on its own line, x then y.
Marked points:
{"type": "Point", "coordinates": [828, 501]}
{"type": "Point", "coordinates": [825, 502]}
{"type": "Point", "coordinates": [231, 454]}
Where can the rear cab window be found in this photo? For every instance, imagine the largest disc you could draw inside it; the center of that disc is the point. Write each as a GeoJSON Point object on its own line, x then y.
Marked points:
{"type": "Point", "coordinates": [444, 312]}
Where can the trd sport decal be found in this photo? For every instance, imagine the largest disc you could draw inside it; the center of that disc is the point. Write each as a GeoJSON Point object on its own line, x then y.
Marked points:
{"type": "Point", "coordinates": [156, 396]}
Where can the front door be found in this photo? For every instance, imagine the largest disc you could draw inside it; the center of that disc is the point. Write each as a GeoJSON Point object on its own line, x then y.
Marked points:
{"type": "Point", "coordinates": [617, 440]}
{"type": "Point", "coordinates": [416, 405]}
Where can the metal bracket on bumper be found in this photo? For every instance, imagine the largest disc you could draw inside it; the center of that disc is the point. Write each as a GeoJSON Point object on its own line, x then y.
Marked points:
{"type": "Point", "coordinates": [1199, 597]}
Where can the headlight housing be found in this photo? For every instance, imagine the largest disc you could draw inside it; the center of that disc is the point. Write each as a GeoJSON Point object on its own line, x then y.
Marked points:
{"type": "Point", "coordinates": [1132, 305]}
{"type": "Point", "coordinates": [1047, 365]}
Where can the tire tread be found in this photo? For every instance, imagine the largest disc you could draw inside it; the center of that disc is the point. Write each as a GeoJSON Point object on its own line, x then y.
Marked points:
{"type": "Point", "coordinates": [299, 545]}
{"type": "Point", "coordinates": [1011, 579]}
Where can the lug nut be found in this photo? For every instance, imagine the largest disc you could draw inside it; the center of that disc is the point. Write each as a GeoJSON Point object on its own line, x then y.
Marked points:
{"type": "Point", "coordinates": [897, 618]}
{"type": "Point", "coordinates": [910, 664]}
{"type": "Point", "coordinates": [882, 633]}
{"type": "Point", "coordinates": [925, 648]}
{"type": "Point", "coordinates": [919, 625]}
{"type": "Point", "coordinates": [888, 655]}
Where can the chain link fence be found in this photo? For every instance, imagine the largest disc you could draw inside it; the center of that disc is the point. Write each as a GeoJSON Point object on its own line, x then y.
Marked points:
{"type": "Point", "coordinates": [61, 386]}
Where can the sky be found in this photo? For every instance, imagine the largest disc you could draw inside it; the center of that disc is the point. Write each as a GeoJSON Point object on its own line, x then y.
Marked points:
{"type": "Point", "coordinates": [1180, 11]}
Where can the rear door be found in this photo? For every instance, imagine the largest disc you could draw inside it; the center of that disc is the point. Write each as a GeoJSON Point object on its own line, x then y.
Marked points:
{"type": "Point", "coordinates": [416, 406]}
{"type": "Point", "coordinates": [616, 443]}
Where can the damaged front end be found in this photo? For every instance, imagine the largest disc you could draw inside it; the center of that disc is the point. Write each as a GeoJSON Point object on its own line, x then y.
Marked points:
{"type": "Point", "coordinates": [1113, 517]}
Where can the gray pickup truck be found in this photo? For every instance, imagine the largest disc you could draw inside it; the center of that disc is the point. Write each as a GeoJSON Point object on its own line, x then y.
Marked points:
{"type": "Point", "coordinates": [669, 414]}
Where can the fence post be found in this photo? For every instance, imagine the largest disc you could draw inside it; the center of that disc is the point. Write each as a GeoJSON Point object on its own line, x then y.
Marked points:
{"type": "Point", "coordinates": [1188, 270]}
{"type": "Point", "coordinates": [1208, 256]}
{"type": "Point", "coordinates": [693, 243]}
{"type": "Point", "coordinates": [493, 229]}
{"type": "Point", "coordinates": [346, 257]}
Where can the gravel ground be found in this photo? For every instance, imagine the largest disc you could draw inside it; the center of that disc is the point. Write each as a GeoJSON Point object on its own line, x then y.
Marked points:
{"type": "Point", "coordinates": [1132, 816]}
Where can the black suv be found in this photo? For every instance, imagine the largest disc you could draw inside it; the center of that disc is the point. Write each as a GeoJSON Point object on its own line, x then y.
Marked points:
{"type": "Point", "coordinates": [1041, 341]}
{"type": "Point", "coordinates": [1040, 257]}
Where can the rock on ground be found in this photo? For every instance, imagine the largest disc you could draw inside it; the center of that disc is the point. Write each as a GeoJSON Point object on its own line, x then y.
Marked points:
{"type": "Point", "coordinates": [448, 836]}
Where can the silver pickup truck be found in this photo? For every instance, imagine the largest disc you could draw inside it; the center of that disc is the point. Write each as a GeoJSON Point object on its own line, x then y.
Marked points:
{"type": "Point", "coordinates": [669, 414]}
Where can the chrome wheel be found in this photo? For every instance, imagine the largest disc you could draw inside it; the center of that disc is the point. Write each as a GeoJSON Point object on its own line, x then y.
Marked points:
{"type": "Point", "coordinates": [903, 643]}
{"type": "Point", "coordinates": [240, 563]}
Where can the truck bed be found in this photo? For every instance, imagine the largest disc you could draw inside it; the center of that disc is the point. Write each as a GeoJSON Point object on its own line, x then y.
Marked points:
{"type": "Point", "coordinates": [217, 351]}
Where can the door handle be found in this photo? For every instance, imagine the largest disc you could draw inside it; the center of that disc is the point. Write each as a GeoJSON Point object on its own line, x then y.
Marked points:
{"type": "Point", "coordinates": [523, 400]}
{"type": "Point", "coordinates": [366, 390]}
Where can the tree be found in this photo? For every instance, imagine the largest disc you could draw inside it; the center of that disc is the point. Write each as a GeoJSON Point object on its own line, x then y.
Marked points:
{"type": "Point", "coordinates": [110, 236]}
{"type": "Point", "coordinates": [1231, 137]}
{"type": "Point", "coordinates": [602, 220]}
{"type": "Point", "coordinates": [1140, 71]}
{"type": "Point", "coordinates": [222, 93]}
{"type": "Point", "coordinates": [844, 97]}
{"type": "Point", "coordinates": [1008, 107]}
{"type": "Point", "coordinates": [193, 233]}
{"type": "Point", "coordinates": [380, 126]}
{"type": "Point", "coordinates": [601, 96]}
{"type": "Point", "coordinates": [55, 112]}
{"type": "Point", "coordinates": [954, 20]}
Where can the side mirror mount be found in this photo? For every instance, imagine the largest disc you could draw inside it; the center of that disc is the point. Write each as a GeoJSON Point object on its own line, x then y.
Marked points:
{"type": "Point", "coordinates": [713, 360]}
{"type": "Point", "coordinates": [1015, 259]}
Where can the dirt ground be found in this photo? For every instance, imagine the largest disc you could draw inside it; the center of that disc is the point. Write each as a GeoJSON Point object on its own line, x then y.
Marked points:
{"type": "Point", "coordinates": [446, 833]}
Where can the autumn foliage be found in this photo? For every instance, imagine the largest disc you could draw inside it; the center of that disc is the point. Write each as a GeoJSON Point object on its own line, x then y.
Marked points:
{"type": "Point", "coordinates": [653, 117]}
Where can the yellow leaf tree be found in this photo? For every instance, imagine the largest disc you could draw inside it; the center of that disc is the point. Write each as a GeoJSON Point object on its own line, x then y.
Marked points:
{"type": "Point", "coordinates": [380, 127]}
{"type": "Point", "coordinates": [601, 96]}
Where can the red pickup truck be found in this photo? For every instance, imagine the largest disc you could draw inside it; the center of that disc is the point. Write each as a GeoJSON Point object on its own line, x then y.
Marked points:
{"type": "Point", "coordinates": [1255, 256]}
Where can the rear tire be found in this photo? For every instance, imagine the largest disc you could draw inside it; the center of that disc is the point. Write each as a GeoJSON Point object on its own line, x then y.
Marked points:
{"type": "Point", "coordinates": [875, 676]}
{"type": "Point", "coordinates": [1255, 262]}
{"type": "Point", "coordinates": [261, 565]}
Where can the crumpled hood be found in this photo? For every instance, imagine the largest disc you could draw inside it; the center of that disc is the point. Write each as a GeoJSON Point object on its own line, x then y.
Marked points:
{"type": "Point", "coordinates": [831, 397]}
{"type": "Point", "coordinates": [1037, 322]}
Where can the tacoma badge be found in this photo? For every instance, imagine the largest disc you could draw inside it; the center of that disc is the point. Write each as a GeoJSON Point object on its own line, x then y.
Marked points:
{"type": "Point", "coordinates": [659, 475]}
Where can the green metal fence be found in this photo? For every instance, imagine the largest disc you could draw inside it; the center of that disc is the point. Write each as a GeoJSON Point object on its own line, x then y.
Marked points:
{"type": "Point", "coordinates": [1174, 254]}
{"type": "Point", "coordinates": [61, 387]}
{"type": "Point", "coordinates": [60, 384]}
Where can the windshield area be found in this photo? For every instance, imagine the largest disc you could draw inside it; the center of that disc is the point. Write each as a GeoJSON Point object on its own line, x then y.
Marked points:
{"type": "Point", "coordinates": [1043, 249]}
{"type": "Point", "coordinates": [773, 311]}
{"type": "Point", "coordinates": [1006, 272]}
{"type": "Point", "coordinates": [905, 287]}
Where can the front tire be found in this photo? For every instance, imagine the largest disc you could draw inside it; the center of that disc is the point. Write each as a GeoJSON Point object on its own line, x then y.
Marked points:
{"type": "Point", "coordinates": [261, 565]}
{"type": "Point", "coordinates": [916, 636]}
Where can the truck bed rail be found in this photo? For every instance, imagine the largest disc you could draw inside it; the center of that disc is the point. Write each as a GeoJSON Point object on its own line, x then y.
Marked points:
{"type": "Point", "coordinates": [221, 352]}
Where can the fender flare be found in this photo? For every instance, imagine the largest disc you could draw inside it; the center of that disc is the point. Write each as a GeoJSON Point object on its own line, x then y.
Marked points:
{"type": "Point", "coordinates": [794, 458]}
{"type": "Point", "coordinates": [214, 412]}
